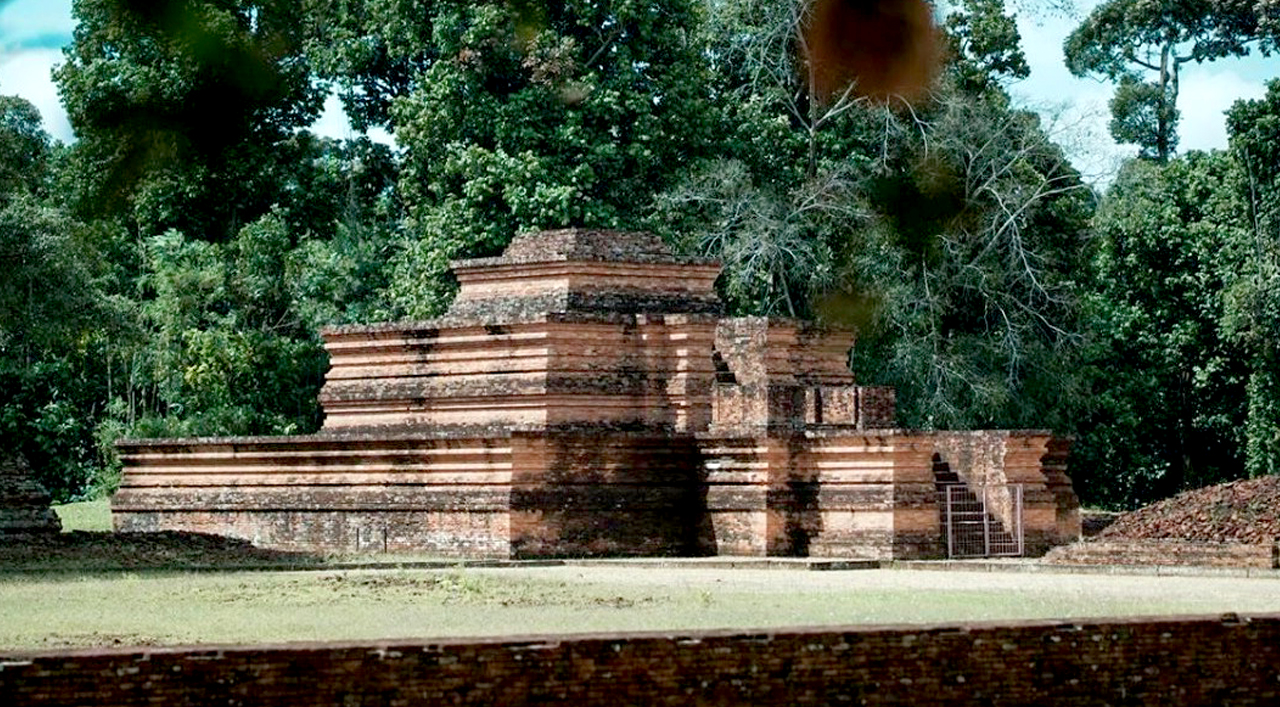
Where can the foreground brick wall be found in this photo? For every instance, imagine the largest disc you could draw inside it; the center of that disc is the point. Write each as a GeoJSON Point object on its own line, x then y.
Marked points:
{"type": "Point", "coordinates": [1179, 661]}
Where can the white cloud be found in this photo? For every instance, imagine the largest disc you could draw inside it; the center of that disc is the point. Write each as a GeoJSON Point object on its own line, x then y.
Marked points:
{"type": "Point", "coordinates": [1205, 95]}
{"type": "Point", "coordinates": [30, 32]}
{"type": "Point", "coordinates": [27, 74]}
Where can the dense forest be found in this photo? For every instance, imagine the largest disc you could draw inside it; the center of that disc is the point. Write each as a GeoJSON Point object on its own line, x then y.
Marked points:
{"type": "Point", "coordinates": [167, 272]}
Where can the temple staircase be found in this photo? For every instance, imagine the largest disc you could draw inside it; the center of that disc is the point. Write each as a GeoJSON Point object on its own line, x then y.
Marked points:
{"type": "Point", "coordinates": [970, 528]}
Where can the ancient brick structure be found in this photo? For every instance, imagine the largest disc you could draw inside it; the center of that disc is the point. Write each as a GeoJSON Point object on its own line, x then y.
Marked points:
{"type": "Point", "coordinates": [1185, 661]}
{"type": "Point", "coordinates": [585, 396]}
{"type": "Point", "coordinates": [24, 504]}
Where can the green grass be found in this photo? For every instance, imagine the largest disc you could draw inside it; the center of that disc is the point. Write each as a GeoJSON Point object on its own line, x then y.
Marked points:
{"type": "Point", "coordinates": [86, 515]}
{"type": "Point", "coordinates": [60, 609]}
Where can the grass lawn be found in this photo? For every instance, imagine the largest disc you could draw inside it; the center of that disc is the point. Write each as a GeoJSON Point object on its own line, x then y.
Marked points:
{"type": "Point", "coordinates": [86, 515]}
{"type": "Point", "coordinates": [64, 609]}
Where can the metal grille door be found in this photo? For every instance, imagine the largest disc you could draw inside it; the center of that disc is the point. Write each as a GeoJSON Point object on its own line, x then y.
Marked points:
{"type": "Point", "coordinates": [986, 522]}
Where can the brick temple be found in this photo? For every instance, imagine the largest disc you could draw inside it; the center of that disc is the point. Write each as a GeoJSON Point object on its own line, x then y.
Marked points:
{"type": "Point", "coordinates": [585, 396]}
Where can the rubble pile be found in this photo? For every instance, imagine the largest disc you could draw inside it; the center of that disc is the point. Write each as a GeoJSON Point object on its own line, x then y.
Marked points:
{"type": "Point", "coordinates": [1240, 511]}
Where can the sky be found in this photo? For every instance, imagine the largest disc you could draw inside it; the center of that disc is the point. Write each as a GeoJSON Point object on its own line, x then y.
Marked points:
{"type": "Point", "coordinates": [32, 33]}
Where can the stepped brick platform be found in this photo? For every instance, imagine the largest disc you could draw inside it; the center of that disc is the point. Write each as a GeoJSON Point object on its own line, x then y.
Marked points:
{"type": "Point", "coordinates": [585, 396]}
{"type": "Point", "coordinates": [24, 504]}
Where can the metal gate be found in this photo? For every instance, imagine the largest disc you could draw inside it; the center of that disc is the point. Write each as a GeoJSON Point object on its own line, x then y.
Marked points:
{"type": "Point", "coordinates": [983, 522]}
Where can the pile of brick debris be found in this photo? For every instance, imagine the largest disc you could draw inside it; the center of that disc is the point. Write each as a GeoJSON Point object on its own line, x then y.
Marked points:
{"type": "Point", "coordinates": [1240, 511]}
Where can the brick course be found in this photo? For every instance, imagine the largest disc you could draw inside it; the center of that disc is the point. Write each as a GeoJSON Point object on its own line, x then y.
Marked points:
{"type": "Point", "coordinates": [1167, 553]}
{"type": "Point", "coordinates": [1186, 661]}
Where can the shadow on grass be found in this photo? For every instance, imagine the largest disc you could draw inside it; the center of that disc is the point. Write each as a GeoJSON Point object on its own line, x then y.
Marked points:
{"type": "Point", "coordinates": [80, 550]}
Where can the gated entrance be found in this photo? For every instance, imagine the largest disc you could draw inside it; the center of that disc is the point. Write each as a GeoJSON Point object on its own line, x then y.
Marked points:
{"type": "Point", "coordinates": [982, 521]}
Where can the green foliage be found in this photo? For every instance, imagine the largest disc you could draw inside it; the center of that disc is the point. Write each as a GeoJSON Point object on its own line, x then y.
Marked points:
{"type": "Point", "coordinates": [229, 237]}
{"type": "Point", "coordinates": [519, 116]}
{"type": "Point", "coordinates": [229, 354]}
{"type": "Point", "coordinates": [49, 309]}
{"type": "Point", "coordinates": [179, 107]}
{"type": "Point", "coordinates": [47, 416]}
{"type": "Point", "coordinates": [984, 45]}
{"type": "Point", "coordinates": [24, 147]}
{"type": "Point", "coordinates": [950, 234]}
{"type": "Point", "coordinates": [1141, 115]}
{"type": "Point", "coordinates": [776, 203]}
{"type": "Point", "coordinates": [374, 49]}
{"type": "Point", "coordinates": [977, 271]}
{"type": "Point", "coordinates": [1167, 383]}
{"type": "Point", "coordinates": [773, 246]}
{"type": "Point", "coordinates": [1253, 300]}
{"type": "Point", "coordinates": [168, 272]}
{"type": "Point", "coordinates": [46, 295]}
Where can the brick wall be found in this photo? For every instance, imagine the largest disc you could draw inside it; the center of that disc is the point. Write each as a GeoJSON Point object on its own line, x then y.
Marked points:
{"type": "Point", "coordinates": [1166, 553]}
{"type": "Point", "coordinates": [1216, 661]}
{"type": "Point", "coordinates": [24, 504]}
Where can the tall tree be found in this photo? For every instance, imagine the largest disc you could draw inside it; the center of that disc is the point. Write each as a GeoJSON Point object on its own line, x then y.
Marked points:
{"type": "Point", "coordinates": [184, 109]}
{"type": "Point", "coordinates": [1167, 381]}
{"type": "Point", "coordinates": [980, 268]}
{"type": "Point", "coordinates": [521, 115]}
{"type": "Point", "coordinates": [50, 306]}
{"type": "Point", "coordinates": [233, 233]}
{"type": "Point", "coordinates": [1142, 46]}
{"type": "Point", "coordinates": [948, 231]}
{"type": "Point", "coordinates": [25, 148]}
{"type": "Point", "coordinates": [1253, 302]}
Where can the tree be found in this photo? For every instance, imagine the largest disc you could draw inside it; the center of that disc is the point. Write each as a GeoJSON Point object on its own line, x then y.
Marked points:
{"type": "Point", "coordinates": [184, 109]}
{"type": "Point", "coordinates": [374, 50]}
{"type": "Point", "coordinates": [777, 194]}
{"type": "Point", "coordinates": [1166, 379]}
{"type": "Point", "coordinates": [50, 305]}
{"type": "Point", "coordinates": [984, 46]}
{"type": "Point", "coordinates": [1125, 40]}
{"type": "Point", "coordinates": [232, 233]}
{"type": "Point", "coordinates": [229, 354]}
{"type": "Point", "coordinates": [223, 335]}
{"type": "Point", "coordinates": [518, 116]}
{"type": "Point", "coordinates": [949, 232]}
{"type": "Point", "coordinates": [978, 266]}
{"type": "Point", "coordinates": [24, 148]}
{"type": "Point", "coordinates": [1253, 299]}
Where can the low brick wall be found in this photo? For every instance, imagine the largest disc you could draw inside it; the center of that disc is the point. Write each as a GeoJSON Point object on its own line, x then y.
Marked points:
{"type": "Point", "coordinates": [1184, 661]}
{"type": "Point", "coordinates": [1166, 553]}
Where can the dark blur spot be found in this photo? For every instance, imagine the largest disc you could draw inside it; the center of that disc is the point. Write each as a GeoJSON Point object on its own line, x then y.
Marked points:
{"type": "Point", "coordinates": [850, 307]}
{"type": "Point", "coordinates": [882, 47]}
{"type": "Point", "coordinates": [531, 19]}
